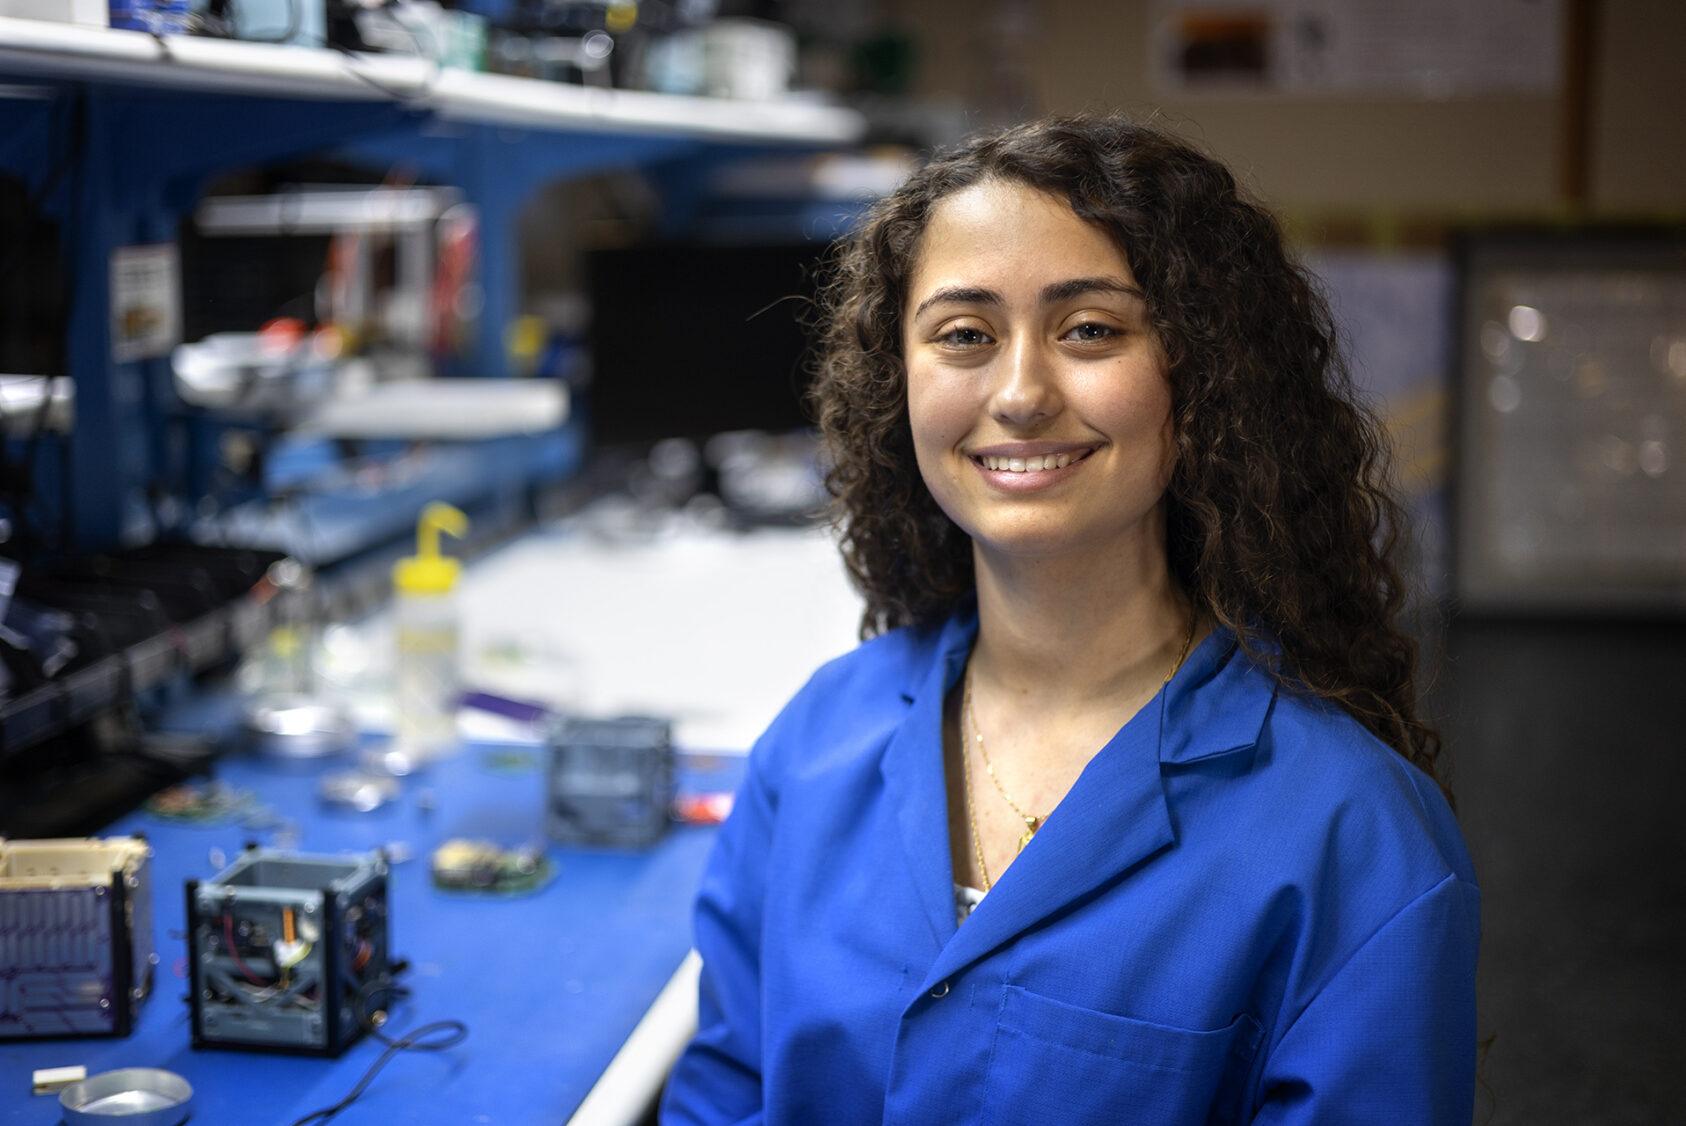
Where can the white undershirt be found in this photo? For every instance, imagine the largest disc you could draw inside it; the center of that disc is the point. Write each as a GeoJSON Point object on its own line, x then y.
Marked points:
{"type": "Point", "coordinates": [966, 901]}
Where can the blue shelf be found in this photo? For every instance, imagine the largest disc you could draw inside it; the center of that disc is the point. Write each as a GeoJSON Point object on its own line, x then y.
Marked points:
{"type": "Point", "coordinates": [156, 120]}
{"type": "Point", "coordinates": [328, 524]}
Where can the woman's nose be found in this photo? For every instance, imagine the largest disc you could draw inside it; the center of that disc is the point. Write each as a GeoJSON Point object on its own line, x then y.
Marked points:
{"type": "Point", "coordinates": [1026, 390]}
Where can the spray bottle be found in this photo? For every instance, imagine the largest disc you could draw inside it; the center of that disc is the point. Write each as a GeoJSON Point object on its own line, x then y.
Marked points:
{"type": "Point", "coordinates": [427, 676]}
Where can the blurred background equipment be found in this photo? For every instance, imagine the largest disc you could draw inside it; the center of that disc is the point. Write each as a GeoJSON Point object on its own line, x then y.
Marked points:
{"type": "Point", "coordinates": [483, 868]}
{"type": "Point", "coordinates": [610, 781]}
{"type": "Point", "coordinates": [1572, 410]}
{"type": "Point", "coordinates": [427, 655]}
{"type": "Point", "coordinates": [76, 926]}
{"type": "Point", "coordinates": [367, 262]}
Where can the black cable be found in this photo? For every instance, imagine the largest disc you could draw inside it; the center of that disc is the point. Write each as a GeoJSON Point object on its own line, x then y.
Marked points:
{"type": "Point", "coordinates": [391, 9]}
{"type": "Point", "coordinates": [418, 1041]}
{"type": "Point", "coordinates": [458, 1032]}
{"type": "Point", "coordinates": [418, 98]}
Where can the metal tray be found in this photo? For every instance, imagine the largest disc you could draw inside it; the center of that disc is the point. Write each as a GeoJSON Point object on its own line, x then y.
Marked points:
{"type": "Point", "coordinates": [132, 1096]}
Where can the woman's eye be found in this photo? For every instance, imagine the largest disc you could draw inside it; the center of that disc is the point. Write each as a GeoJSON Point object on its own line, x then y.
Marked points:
{"type": "Point", "coordinates": [1090, 331]}
{"type": "Point", "coordinates": [963, 338]}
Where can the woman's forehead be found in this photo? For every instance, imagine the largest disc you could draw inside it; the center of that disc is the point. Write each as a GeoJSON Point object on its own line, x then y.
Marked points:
{"type": "Point", "coordinates": [1006, 235]}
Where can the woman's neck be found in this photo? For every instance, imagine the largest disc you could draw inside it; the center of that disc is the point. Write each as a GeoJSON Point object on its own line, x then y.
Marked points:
{"type": "Point", "coordinates": [1074, 633]}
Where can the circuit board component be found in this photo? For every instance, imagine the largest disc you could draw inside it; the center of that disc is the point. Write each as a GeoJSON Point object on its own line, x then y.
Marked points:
{"type": "Point", "coordinates": [481, 866]}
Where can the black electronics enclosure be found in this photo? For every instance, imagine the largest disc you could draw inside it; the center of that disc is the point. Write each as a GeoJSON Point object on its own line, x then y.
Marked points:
{"type": "Point", "coordinates": [75, 936]}
{"type": "Point", "coordinates": [283, 950]}
{"type": "Point", "coordinates": [610, 781]}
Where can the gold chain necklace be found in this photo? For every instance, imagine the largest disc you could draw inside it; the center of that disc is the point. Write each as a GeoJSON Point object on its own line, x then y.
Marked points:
{"type": "Point", "coordinates": [1031, 821]}
{"type": "Point", "coordinates": [969, 723]}
{"type": "Point", "coordinates": [966, 772]}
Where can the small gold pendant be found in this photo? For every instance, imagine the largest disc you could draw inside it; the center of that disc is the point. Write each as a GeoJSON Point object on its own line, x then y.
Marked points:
{"type": "Point", "coordinates": [1031, 824]}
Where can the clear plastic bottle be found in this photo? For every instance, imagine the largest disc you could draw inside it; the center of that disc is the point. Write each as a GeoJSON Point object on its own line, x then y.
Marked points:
{"type": "Point", "coordinates": [426, 670]}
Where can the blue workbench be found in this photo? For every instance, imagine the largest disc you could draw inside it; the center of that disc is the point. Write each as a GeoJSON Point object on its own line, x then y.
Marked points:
{"type": "Point", "coordinates": [550, 985]}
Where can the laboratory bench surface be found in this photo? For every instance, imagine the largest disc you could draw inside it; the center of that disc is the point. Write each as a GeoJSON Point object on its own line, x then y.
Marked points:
{"type": "Point", "coordinates": [714, 630]}
{"type": "Point", "coordinates": [549, 984]}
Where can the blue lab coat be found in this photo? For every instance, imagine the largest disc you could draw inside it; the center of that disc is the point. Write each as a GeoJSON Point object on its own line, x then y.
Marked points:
{"type": "Point", "coordinates": [1246, 910]}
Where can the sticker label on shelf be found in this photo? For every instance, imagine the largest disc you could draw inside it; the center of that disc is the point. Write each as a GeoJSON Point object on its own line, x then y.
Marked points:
{"type": "Point", "coordinates": [145, 301]}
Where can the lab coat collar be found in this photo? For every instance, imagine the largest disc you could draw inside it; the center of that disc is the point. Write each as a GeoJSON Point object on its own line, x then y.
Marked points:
{"type": "Point", "coordinates": [912, 768]}
{"type": "Point", "coordinates": [1115, 816]}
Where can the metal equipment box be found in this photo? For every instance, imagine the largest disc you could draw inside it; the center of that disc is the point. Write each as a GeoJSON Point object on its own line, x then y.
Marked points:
{"type": "Point", "coordinates": [76, 953]}
{"type": "Point", "coordinates": [284, 949]}
{"type": "Point", "coordinates": [611, 781]}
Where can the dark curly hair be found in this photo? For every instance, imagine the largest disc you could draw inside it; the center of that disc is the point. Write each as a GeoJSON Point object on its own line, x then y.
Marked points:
{"type": "Point", "coordinates": [1280, 520]}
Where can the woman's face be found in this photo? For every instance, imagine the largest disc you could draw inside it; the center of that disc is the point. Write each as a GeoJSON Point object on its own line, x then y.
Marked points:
{"type": "Point", "coordinates": [1037, 392]}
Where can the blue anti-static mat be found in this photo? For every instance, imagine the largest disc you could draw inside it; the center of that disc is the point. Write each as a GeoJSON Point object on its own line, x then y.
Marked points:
{"type": "Point", "coordinates": [550, 985]}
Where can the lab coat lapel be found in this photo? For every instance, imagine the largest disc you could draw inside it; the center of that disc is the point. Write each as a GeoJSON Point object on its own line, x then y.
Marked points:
{"type": "Point", "coordinates": [1116, 815]}
{"type": "Point", "coordinates": [1114, 818]}
{"type": "Point", "coordinates": [912, 768]}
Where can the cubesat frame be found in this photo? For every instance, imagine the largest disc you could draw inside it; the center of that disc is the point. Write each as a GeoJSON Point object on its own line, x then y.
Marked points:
{"type": "Point", "coordinates": [288, 951]}
{"type": "Point", "coordinates": [76, 951]}
{"type": "Point", "coordinates": [610, 781]}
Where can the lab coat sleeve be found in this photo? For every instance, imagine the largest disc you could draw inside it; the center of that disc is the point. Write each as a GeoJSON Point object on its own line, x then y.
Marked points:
{"type": "Point", "coordinates": [1390, 1038]}
{"type": "Point", "coordinates": [718, 1078]}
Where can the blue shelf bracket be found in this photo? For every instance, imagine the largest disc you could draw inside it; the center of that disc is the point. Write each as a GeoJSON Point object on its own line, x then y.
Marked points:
{"type": "Point", "coordinates": [107, 459]}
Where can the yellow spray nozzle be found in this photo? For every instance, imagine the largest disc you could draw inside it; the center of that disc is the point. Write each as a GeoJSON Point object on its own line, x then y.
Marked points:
{"type": "Point", "coordinates": [427, 571]}
{"type": "Point", "coordinates": [435, 518]}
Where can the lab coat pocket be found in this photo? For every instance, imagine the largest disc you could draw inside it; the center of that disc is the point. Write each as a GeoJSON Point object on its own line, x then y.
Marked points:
{"type": "Point", "coordinates": [1059, 1063]}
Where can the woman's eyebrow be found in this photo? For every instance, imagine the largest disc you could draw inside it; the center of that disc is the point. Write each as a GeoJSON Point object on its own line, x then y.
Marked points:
{"type": "Point", "coordinates": [959, 295]}
{"type": "Point", "coordinates": [1077, 287]}
{"type": "Point", "coordinates": [1052, 293]}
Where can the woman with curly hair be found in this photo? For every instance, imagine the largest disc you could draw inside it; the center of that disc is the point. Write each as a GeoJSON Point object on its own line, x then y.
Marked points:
{"type": "Point", "coordinates": [1124, 812]}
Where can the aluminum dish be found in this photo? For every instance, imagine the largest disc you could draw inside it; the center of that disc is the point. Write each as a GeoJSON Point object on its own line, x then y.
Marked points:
{"type": "Point", "coordinates": [298, 729]}
{"type": "Point", "coordinates": [130, 1096]}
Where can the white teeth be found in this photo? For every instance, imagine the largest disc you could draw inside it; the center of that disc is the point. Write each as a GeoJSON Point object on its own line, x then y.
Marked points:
{"type": "Point", "coordinates": [1031, 464]}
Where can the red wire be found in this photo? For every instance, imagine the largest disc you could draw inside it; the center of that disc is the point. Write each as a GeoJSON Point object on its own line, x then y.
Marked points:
{"type": "Point", "coordinates": [234, 952]}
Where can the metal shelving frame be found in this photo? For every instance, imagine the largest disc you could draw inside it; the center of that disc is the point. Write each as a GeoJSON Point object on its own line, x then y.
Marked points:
{"type": "Point", "coordinates": [153, 120]}
{"type": "Point", "coordinates": [158, 118]}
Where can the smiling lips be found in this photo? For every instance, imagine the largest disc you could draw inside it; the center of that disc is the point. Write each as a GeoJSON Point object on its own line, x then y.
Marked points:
{"type": "Point", "coordinates": [1019, 470]}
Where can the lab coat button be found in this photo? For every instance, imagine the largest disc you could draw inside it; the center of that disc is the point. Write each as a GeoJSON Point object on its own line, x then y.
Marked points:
{"type": "Point", "coordinates": [940, 992]}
